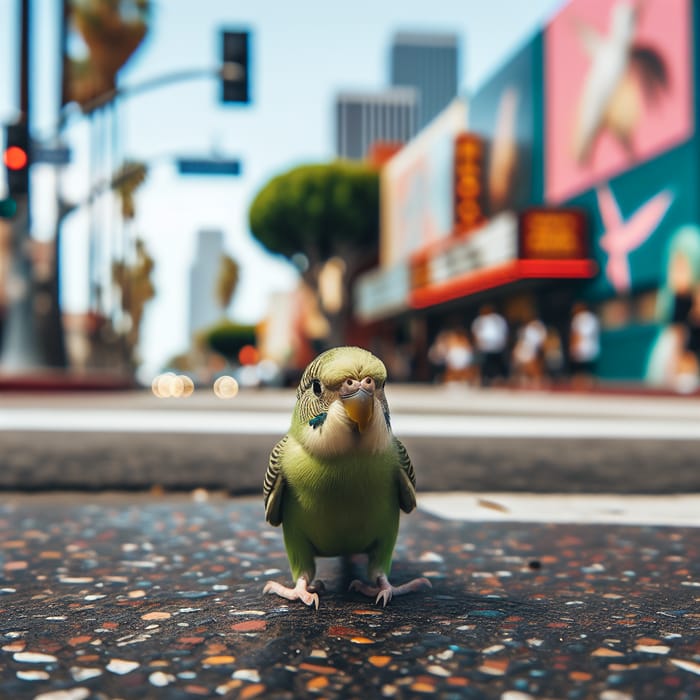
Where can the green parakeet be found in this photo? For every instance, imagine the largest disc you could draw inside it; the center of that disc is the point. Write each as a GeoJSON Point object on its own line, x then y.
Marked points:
{"type": "Point", "coordinates": [337, 480]}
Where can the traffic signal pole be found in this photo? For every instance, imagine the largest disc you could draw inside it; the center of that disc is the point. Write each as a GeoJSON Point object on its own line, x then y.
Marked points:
{"type": "Point", "coordinates": [20, 347]}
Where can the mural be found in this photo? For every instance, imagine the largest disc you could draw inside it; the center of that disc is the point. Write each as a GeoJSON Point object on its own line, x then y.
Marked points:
{"type": "Point", "coordinates": [617, 88]}
{"type": "Point", "coordinates": [674, 359]}
{"type": "Point", "coordinates": [622, 237]}
{"type": "Point", "coordinates": [502, 112]}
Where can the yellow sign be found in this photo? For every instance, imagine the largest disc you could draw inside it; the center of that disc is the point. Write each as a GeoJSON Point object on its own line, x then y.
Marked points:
{"type": "Point", "coordinates": [552, 234]}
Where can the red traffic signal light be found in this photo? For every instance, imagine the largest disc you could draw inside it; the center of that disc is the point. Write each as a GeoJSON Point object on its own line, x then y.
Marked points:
{"type": "Point", "coordinates": [16, 159]}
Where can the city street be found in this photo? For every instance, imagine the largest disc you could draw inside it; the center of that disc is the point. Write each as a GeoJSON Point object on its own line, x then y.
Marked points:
{"type": "Point", "coordinates": [459, 439]}
{"type": "Point", "coordinates": [115, 586]}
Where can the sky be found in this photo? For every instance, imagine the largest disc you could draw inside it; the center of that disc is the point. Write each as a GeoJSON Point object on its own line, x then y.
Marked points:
{"type": "Point", "coordinates": [304, 53]}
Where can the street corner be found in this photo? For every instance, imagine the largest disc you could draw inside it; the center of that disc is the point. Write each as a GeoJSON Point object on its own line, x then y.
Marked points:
{"type": "Point", "coordinates": [124, 595]}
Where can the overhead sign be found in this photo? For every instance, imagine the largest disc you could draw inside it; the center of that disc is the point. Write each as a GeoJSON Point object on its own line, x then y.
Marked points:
{"type": "Point", "coordinates": [208, 166]}
{"type": "Point", "coordinates": [52, 155]}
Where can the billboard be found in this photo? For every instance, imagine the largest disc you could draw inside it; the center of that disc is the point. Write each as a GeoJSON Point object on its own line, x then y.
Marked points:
{"type": "Point", "coordinates": [417, 188]}
{"type": "Point", "coordinates": [506, 113]}
{"type": "Point", "coordinates": [617, 89]}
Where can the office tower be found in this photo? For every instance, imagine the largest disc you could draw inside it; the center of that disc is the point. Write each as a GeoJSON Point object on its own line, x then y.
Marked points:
{"type": "Point", "coordinates": [429, 63]}
{"type": "Point", "coordinates": [204, 308]}
{"type": "Point", "coordinates": [365, 118]}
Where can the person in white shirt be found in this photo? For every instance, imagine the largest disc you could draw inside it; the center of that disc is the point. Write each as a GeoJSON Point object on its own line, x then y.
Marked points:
{"type": "Point", "coordinates": [584, 344]}
{"type": "Point", "coordinates": [490, 332]}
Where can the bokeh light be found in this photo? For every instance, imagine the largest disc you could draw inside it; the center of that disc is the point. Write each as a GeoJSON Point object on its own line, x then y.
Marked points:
{"type": "Point", "coordinates": [226, 387]}
{"type": "Point", "coordinates": [248, 355]}
{"type": "Point", "coordinates": [172, 386]}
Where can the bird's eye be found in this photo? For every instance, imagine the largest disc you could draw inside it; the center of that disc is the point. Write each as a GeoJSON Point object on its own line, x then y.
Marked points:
{"type": "Point", "coordinates": [317, 387]}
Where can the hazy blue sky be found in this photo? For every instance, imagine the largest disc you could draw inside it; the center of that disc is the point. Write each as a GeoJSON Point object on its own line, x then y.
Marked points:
{"type": "Point", "coordinates": [303, 54]}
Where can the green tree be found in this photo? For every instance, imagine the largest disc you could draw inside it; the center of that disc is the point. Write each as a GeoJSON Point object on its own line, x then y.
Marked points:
{"type": "Point", "coordinates": [227, 338]}
{"type": "Point", "coordinates": [323, 211]}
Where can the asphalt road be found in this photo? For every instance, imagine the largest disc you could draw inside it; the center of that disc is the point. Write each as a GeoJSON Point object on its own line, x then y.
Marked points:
{"type": "Point", "coordinates": [458, 439]}
{"type": "Point", "coordinates": [131, 596]}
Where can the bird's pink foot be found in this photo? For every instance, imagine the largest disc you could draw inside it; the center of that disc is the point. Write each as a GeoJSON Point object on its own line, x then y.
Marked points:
{"type": "Point", "coordinates": [384, 591]}
{"type": "Point", "coordinates": [301, 591]}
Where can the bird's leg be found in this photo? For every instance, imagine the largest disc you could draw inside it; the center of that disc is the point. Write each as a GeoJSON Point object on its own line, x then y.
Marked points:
{"type": "Point", "coordinates": [316, 586]}
{"type": "Point", "coordinates": [384, 591]}
{"type": "Point", "coordinates": [302, 591]}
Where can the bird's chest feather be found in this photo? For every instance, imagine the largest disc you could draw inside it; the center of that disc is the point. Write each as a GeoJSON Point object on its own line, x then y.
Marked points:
{"type": "Point", "coordinates": [342, 505]}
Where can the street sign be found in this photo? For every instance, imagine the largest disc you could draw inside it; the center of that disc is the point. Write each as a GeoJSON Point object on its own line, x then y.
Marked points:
{"type": "Point", "coordinates": [53, 155]}
{"type": "Point", "coordinates": [208, 166]}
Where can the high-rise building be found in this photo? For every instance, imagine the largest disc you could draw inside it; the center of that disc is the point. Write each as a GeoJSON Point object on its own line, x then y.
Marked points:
{"type": "Point", "coordinates": [365, 118]}
{"type": "Point", "coordinates": [429, 63]}
{"type": "Point", "coordinates": [204, 308]}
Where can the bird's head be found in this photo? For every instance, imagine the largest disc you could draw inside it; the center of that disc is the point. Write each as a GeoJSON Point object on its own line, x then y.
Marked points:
{"type": "Point", "coordinates": [341, 406]}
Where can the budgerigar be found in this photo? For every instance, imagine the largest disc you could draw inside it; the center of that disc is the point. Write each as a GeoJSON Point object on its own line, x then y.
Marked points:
{"type": "Point", "coordinates": [338, 479]}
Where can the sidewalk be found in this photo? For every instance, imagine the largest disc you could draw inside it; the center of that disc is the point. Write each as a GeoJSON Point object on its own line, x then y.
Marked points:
{"type": "Point", "coordinates": [132, 596]}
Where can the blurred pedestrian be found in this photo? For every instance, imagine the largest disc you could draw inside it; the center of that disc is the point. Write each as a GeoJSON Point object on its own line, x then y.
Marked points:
{"type": "Point", "coordinates": [528, 353]}
{"type": "Point", "coordinates": [437, 356]}
{"type": "Point", "coordinates": [490, 332]}
{"type": "Point", "coordinates": [459, 359]}
{"type": "Point", "coordinates": [553, 356]}
{"type": "Point", "coordinates": [687, 379]}
{"type": "Point", "coordinates": [584, 345]}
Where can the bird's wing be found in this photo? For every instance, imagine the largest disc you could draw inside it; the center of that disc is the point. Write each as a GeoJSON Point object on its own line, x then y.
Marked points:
{"type": "Point", "coordinates": [407, 478]}
{"type": "Point", "coordinates": [273, 486]}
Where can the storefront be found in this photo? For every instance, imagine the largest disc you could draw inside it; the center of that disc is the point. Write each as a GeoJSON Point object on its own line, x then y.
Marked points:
{"type": "Point", "coordinates": [553, 185]}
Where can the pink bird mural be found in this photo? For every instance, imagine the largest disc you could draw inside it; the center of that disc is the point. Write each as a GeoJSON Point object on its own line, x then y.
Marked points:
{"type": "Point", "coordinates": [622, 237]}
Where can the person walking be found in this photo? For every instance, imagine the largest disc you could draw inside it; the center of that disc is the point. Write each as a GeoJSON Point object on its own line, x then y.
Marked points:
{"type": "Point", "coordinates": [584, 345]}
{"type": "Point", "coordinates": [490, 332]}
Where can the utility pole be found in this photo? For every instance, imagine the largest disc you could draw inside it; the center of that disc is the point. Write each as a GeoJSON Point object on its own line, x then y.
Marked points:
{"type": "Point", "coordinates": [20, 349]}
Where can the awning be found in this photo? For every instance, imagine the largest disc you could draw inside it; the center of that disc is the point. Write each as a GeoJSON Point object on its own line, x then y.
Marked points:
{"type": "Point", "coordinates": [499, 276]}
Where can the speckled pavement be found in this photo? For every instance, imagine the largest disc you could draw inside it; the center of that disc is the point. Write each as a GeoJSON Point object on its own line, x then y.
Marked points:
{"type": "Point", "coordinates": [134, 596]}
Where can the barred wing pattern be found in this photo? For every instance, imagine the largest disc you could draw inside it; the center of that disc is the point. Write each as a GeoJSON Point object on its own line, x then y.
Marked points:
{"type": "Point", "coordinates": [273, 485]}
{"type": "Point", "coordinates": [407, 478]}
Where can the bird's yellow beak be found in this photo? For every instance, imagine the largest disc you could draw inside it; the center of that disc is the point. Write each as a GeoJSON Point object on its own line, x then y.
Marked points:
{"type": "Point", "coordinates": [360, 407]}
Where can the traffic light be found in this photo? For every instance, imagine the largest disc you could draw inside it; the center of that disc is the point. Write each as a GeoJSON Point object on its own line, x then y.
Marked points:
{"type": "Point", "coordinates": [8, 208]}
{"type": "Point", "coordinates": [16, 159]}
{"type": "Point", "coordinates": [235, 83]}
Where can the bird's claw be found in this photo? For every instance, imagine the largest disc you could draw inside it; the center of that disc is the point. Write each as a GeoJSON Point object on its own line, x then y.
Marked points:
{"type": "Point", "coordinates": [384, 596]}
{"type": "Point", "coordinates": [299, 592]}
{"type": "Point", "coordinates": [384, 591]}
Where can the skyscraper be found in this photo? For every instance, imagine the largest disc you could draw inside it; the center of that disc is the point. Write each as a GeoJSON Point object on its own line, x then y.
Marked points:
{"type": "Point", "coordinates": [204, 308]}
{"type": "Point", "coordinates": [428, 63]}
{"type": "Point", "coordinates": [364, 118]}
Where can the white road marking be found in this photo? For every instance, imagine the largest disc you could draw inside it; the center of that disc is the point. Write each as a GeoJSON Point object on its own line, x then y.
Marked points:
{"type": "Point", "coordinates": [667, 510]}
{"type": "Point", "coordinates": [409, 425]}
